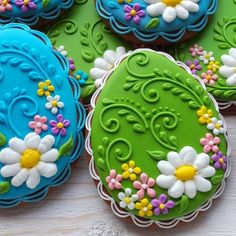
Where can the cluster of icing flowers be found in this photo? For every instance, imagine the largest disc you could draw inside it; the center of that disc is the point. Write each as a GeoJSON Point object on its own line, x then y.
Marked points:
{"type": "Point", "coordinates": [134, 13]}
{"type": "Point", "coordinates": [211, 142]}
{"type": "Point", "coordinates": [214, 68]}
{"type": "Point", "coordinates": [210, 76]}
{"type": "Point", "coordinates": [144, 197]}
{"type": "Point", "coordinates": [55, 106]}
{"type": "Point", "coordinates": [63, 52]}
{"type": "Point", "coordinates": [24, 5]}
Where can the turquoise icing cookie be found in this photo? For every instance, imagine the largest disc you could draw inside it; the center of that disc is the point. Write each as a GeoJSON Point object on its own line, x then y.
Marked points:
{"type": "Point", "coordinates": [41, 119]}
{"type": "Point", "coordinates": [158, 145]}
{"type": "Point", "coordinates": [154, 20]}
{"type": "Point", "coordinates": [30, 11]}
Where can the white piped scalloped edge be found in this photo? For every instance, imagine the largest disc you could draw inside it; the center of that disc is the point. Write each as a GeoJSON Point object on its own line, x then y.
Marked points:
{"type": "Point", "coordinates": [141, 222]}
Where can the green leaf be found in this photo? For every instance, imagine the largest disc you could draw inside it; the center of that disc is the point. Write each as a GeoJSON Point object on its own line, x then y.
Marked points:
{"type": "Point", "coordinates": [123, 112]}
{"type": "Point", "coordinates": [101, 150]}
{"type": "Point", "coordinates": [131, 119]}
{"type": "Point", "coordinates": [173, 141]}
{"type": "Point", "coordinates": [101, 163]}
{"type": "Point", "coordinates": [107, 101]}
{"type": "Point", "coordinates": [183, 203]}
{"type": "Point", "coordinates": [66, 148]}
{"type": "Point", "coordinates": [193, 105]}
{"type": "Point", "coordinates": [216, 179]}
{"type": "Point", "coordinates": [3, 140]}
{"type": "Point", "coordinates": [156, 155]}
{"type": "Point", "coordinates": [87, 91]}
{"type": "Point", "coordinates": [4, 187]}
{"type": "Point", "coordinates": [152, 23]}
{"type": "Point", "coordinates": [138, 128]}
{"type": "Point", "coordinates": [167, 86]}
{"type": "Point", "coordinates": [163, 136]}
{"type": "Point", "coordinates": [45, 3]}
{"type": "Point", "coordinates": [88, 56]}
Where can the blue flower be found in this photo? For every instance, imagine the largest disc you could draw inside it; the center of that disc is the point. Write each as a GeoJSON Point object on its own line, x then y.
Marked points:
{"type": "Point", "coordinates": [81, 77]}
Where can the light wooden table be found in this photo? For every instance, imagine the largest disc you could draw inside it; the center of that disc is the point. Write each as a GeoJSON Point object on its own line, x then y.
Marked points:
{"type": "Point", "coordinates": [76, 209]}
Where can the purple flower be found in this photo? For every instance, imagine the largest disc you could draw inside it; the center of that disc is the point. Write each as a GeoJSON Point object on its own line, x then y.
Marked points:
{"type": "Point", "coordinates": [194, 66]}
{"type": "Point", "coordinates": [71, 64]}
{"type": "Point", "coordinates": [220, 161]}
{"type": "Point", "coordinates": [134, 13]}
{"type": "Point", "coordinates": [161, 205]}
{"type": "Point", "coordinates": [26, 5]}
{"type": "Point", "coordinates": [59, 126]}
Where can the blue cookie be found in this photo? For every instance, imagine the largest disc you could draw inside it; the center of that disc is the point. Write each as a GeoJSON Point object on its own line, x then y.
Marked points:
{"type": "Point", "coordinates": [156, 21]}
{"type": "Point", "coordinates": [41, 118]}
{"type": "Point", "coordinates": [30, 11]}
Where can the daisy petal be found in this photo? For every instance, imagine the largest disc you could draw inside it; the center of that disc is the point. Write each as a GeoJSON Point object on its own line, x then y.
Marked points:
{"type": "Point", "coordinates": [47, 169]}
{"type": "Point", "coordinates": [166, 168]}
{"type": "Point", "coordinates": [20, 178]}
{"type": "Point", "coordinates": [177, 189]}
{"type": "Point", "coordinates": [10, 170]}
{"type": "Point", "coordinates": [190, 189]}
{"type": "Point", "coordinates": [34, 179]}
{"type": "Point", "coordinates": [50, 156]}
{"type": "Point", "coordinates": [203, 185]}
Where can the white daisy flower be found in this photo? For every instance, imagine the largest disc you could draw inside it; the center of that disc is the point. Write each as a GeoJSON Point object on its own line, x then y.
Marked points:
{"type": "Point", "coordinates": [54, 103]}
{"type": "Point", "coordinates": [216, 126]}
{"type": "Point", "coordinates": [185, 173]}
{"type": "Point", "coordinates": [206, 57]}
{"type": "Point", "coordinates": [172, 9]}
{"type": "Point", "coordinates": [62, 50]}
{"type": "Point", "coordinates": [127, 199]}
{"type": "Point", "coordinates": [26, 160]}
{"type": "Point", "coordinates": [228, 70]}
{"type": "Point", "coordinates": [105, 64]}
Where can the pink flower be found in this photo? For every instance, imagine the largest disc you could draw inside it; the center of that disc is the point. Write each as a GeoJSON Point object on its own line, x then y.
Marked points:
{"type": "Point", "coordinates": [196, 50]}
{"type": "Point", "coordinates": [5, 5]}
{"type": "Point", "coordinates": [209, 77]}
{"type": "Point", "coordinates": [114, 180]}
{"type": "Point", "coordinates": [134, 13]}
{"type": "Point", "coordinates": [210, 143]}
{"type": "Point", "coordinates": [39, 124]}
{"type": "Point", "coordinates": [145, 185]}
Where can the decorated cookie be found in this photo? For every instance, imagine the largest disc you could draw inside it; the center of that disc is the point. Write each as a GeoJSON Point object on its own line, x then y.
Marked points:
{"type": "Point", "coordinates": [40, 116]}
{"type": "Point", "coordinates": [87, 43]}
{"type": "Point", "coordinates": [212, 54]}
{"type": "Point", "coordinates": [157, 142]}
{"type": "Point", "coordinates": [156, 21]}
{"type": "Point", "coordinates": [31, 11]}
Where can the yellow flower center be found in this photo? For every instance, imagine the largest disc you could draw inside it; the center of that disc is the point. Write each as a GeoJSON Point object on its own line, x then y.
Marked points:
{"type": "Point", "coordinates": [207, 56]}
{"type": "Point", "coordinates": [78, 77]}
{"type": "Point", "coordinates": [217, 126]}
{"type": "Point", "coordinates": [60, 125]}
{"type": "Point", "coordinates": [172, 3]}
{"type": "Point", "coordinates": [131, 170]}
{"type": "Point", "coordinates": [145, 209]}
{"type": "Point", "coordinates": [162, 206]}
{"type": "Point", "coordinates": [127, 200]}
{"type": "Point", "coordinates": [30, 158]}
{"type": "Point", "coordinates": [192, 66]}
{"type": "Point", "coordinates": [221, 160]}
{"type": "Point", "coordinates": [133, 13]}
{"type": "Point", "coordinates": [54, 103]}
{"type": "Point", "coordinates": [185, 172]}
{"type": "Point", "coordinates": [26, 2]}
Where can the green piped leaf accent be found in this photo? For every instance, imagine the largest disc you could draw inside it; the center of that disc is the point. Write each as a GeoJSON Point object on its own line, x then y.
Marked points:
{"type": "Point", "coordinates": [88, 56]}
{"type": "Point", "coordinates": [66, 148]}
{"type": "Point", "coordinates": [101, 150]}
{"type": "Point", "coordinates": [4, 187]}
{"type": "Point", "coordinates": [152, 23]}
{"type": "Point", "coordinates": [45, 3]}
{"type": "Point", "coordinates": [101, 164]}
{"type": "Point", "coordinates": [138, 128]}
{"type": "Point", "coordinates": [217, 179]}
{"type": "Point", "coordinates": [3, 140]}
{"type": "Point", "coordinates": [156, 155]}
{"type": "Point", "coordinates": [183, 203]}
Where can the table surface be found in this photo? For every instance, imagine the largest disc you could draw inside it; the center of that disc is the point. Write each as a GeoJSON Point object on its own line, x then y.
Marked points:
{"type": "Point", "coordinates": [76, 209]}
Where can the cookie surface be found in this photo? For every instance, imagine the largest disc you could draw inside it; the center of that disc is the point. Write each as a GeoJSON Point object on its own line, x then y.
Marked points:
{"type": "Point", "coordinates": [212, 53]}
{"type": "Point", "coordinates": [83, 39]}
{"type": "Point", "coordinates": [40, 116]}
{"type": "Point", "coordinates": [157, 141]}
{"type": "Point", "coordinates": [151, 21]}
{"type": "Point", "coordinates": [31, 11]}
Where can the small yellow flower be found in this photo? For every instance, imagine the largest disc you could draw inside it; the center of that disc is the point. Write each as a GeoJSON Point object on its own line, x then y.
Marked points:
{"type": "Point", "coordinates": [213, 66]}
{"type": "Point", "coordinates": [144, 207]}
{"type": "Point", "coordinates": [204, 115]}
{"type": "Point", "coordinates": [130, 171]}
{"type": "Point", "coordinates": [45, 88]}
